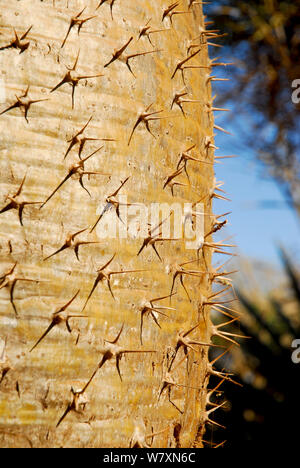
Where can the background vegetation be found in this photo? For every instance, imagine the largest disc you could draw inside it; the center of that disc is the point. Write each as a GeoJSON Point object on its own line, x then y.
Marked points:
{"type": "Point", "coordinates": [263, 39]}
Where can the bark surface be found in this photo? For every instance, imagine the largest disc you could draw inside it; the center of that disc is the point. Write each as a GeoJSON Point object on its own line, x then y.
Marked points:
{"type": "Point", "coordinates": [35, 388]}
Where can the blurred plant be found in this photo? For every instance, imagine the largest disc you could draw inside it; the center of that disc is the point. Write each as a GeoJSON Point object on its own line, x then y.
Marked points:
{"type": "Point", "coordinates": [263, 36]}
{"type": "Point", "coordinates": [266, 409]}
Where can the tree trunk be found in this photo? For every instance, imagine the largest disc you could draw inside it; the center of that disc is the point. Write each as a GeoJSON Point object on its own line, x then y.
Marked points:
{"type": "Point", "coordinates": [37, 384]}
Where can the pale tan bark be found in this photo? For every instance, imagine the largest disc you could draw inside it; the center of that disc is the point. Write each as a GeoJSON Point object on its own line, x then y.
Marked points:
{"type": "Point", "coordinates": [114, 409]}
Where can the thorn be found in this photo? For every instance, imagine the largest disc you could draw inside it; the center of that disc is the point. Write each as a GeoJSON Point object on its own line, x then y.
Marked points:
{"type": "Point", "coordinates": [193, 2]}
{"type": "Point", "coordinates": [184, 342]}
{"type": "Point", "coordinates": [179, 272]}
{"type": "Point", "coordinates": [147, 31]}
{"type": "Point", "coordinates": [227, 157]}
{"type": "Point", "coordinates": [18, 389]}
{"type": "Point", "coordinates": [217, 127]}
{"type": "Point", "coordinates": [216, 227]}
{"type": "Point", "coordinates": [168, 383]}
{"type": "Point", "coordinates": [222, 375]}
{"type": "Point", "coordinates": [110, 6]}
{"type": "Point", "coordinates": [210, 109]}
{"type": "Point", "coordinates": [170, 12]}
{"type": "Point", "coordinates": [215, 246]}
{"type": "Point", "coordinates": [16, 204]}
{"type": "Point", "coordinates": [76, 403]}
{"type": "Point", "coordinates": [185, 157]}
{"type": "Point", "coordinates": [118, 52]}
{"type": "Point", "coordinates": [178, 101]}
{"type": "Point", "coordinates": [213, 44]}
{"type": "Point", "coordinates": [169, 9]}
{"type": "Point", "coordinates": [139, 437]}
{"type": "Point", "coordinates": [226, 335]}
{"type": "Point", "coordinates": [211, 392]}
{"type": "Point", "coordinates": [209, 144]}
{"type": "Point", "coordinates": [213, 63]}
{"type": "Point", "coordinates": [144, 118]}
{"type": "Point", "coordinates": [170, 183]}
{"type": "Point", "coordinates": [77, 168]}
{"type": "Point", "coordinates": [101, 276]}
{"type": "Point", "coordinates": [23, 102]}
{"type": "Point", "coordinates": [113, 350]}
{"type": "Point", "coordinates": [81, 140]}
{"type": "Point", "coordinates": [111, 202]}
{"type": "Point", "coordinates": [70, 242]}
{"type": "Point", "coordinates": [212, 194]}
{"type": "Point", "coordinates": [59, 317]}
{"type": "Point", "coordinates": [149, 309]}
{"type": "Point", "coordinates": [9, 280]}
{"type": "Point", "coordinates": [153, 238]}
{"type": "Point", "coordinates": [76, 21]}
{"type": "Point", "coordinates": [75, 138]}
{"type": "Point", "coordinates": [119, 55]}
{"type": "Point", "coordinates": [207, 415]}
{"type": "Point", "coordinates": [18, 43]}
{"type": "Point", "coordinates": [126, 59]}
{"type": "Point", "coordinates": [73, 79]}
{"type": "Point", "coordinates": [180, 65]}
{"type": "Point", "coordinates": [5, 365]}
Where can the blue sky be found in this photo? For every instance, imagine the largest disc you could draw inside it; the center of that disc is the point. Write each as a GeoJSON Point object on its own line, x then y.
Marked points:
{"type": "Point", "coordinates": [257, 231]}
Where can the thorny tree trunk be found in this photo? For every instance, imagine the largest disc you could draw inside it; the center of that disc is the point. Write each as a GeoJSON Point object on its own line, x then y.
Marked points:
{"type": "Point", "coordinates": [36, 386]}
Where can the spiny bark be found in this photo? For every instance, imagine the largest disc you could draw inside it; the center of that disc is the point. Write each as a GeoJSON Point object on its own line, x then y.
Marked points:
{"type": "Point", "coordinates": [36, 390]}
